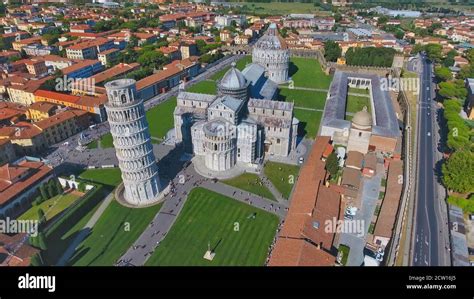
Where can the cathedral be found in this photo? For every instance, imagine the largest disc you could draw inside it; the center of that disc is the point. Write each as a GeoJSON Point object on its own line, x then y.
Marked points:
{"type": "Point", "coordinates": [244, 121]}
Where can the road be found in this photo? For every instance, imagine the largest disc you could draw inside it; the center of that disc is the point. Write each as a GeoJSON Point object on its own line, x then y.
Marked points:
{"type": "Point", "coordinates": [429, 247]}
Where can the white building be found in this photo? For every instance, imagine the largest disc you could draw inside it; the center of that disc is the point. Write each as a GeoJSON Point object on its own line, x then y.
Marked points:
{"type": "Point", "coordinates": [241, 124]}
{"type": "Point", "coordinates": [132, 142]}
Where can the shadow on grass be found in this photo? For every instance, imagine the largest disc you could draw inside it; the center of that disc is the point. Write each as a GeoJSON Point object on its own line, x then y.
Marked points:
{"type": "Point", "coordinates": [302, 129]}
{"type": "Point", "coordinates": [293, 69]}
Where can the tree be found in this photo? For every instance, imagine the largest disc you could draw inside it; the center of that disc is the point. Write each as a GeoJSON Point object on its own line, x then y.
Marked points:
{"type": "Point", "coordinates": [81, 187]}
{"type": "Point", "coordinates": [50, 191]}
{"type": "Point", "coordinates": [42, 241]}
{"type": "Point", "coordinates": [443, 73]}
{"type": "Point", "coordinates": [36, 260]}
{"type": "Point", "coordinates": [370, 56]}
{"type": "Point", "coordinates": [332, 51]}
{"type": "Point", "coordinates": [434, 52]}
{"type": "Point", "coordinates": [382, 20]}
{"type": "Point", "coordinates": [33, 241]}
{"type": "Point", "coordinates": [152, 59]}
{"type": "Point", "coordinates": [41, 215]}
{"type": "Point", "coordinates": [59, 188]}
{"type": "Point", "coordinates": [453, 89]}
{"type": "Point", "coordinates": [332, 164]}
{"type": "Point", "coordinates": [44, 192]}
{"type": "Point", "coordinates": [458, 172]}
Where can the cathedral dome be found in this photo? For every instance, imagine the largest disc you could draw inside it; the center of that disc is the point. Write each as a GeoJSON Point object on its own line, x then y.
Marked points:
{"type": "Point", "coordinates": [362, 119]}
{"type": "Point", "coordinates": [233, 79]}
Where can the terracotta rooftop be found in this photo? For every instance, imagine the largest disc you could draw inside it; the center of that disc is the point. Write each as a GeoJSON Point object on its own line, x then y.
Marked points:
{"type": "Point", "coordinates": [59, 118]}
{"type": "Point", "coordinates": [354, 159]}
{"type": "Point", "coordinates": [44, 107]}
{"type": "Point", "coordinates": [9, 190]}
{"type": "Point", "coordinates": [56, 96]}
{"type": "Point", "coordinates": [311, 205]}
{"type": "Point", "coordinates": [114, 71]}
{"type": "Point", "coordinates": [159, 76]}
{"type": "Point", "coordinates": [298, 252]}
{"type": "Point", "coordinates": [79, 65]}
{"type": "Point", "coordinates": [390, 203]}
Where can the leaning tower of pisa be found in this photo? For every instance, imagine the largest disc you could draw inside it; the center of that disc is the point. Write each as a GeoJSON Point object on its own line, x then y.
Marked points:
{"type": "Point", "coordinates": [133, 147]}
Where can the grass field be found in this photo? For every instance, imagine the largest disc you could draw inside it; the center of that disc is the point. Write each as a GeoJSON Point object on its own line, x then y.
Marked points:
{"type": "Point", "coordinates": [252, 183]}
{"type": "Point", "coordinates": [50, 207]}
{"type": "Point", "coordinates": [282, 8]}
{"type": "Point", "coordinates": [303, 98]}
{"type": "Point", "coordinates": [59, 241]}
{"type": "Point", "coordinates": [160, 118]}
{"type": "Point", "coordinates": [282, 176]}
{"type": "Point", "coordinates": [208, 87]}
{"type": "Point", "coordinates": [236, 238]}
{"type": "Point", "coordinates": [355, 104]}
{"type": "Point", "coordinates": [106, 141]}
{"type": "Point", "coordinates": [112, 235]}
{"type": "Point", "coordinates": [358, 90]}
{"type": "Point", "coordinates": [309, 122]}
{"type": "Point", "coordinates": [93, 144]}
{"type": "Point", "coordinates": [240, 64]}
{"type": "Point", "coordinates": [307, 72]}
{"type": "Point", "coordinates": [108, 176]}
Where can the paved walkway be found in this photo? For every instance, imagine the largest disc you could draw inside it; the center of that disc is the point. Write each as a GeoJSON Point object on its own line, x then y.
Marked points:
{"type": "Point", "coordinates": [309, 109]}
{"type": "Point", "coordinates": [304, 88]}
{"type": "Point", "coordinates": [278, 196]}
{"type": "Point", "coordinates": [85, 231]}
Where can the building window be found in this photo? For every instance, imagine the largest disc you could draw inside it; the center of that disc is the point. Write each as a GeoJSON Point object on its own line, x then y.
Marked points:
{"type": "Point", "coordinates": [360, 134]}
{"type": "Point", "coordinates": [278, 140]}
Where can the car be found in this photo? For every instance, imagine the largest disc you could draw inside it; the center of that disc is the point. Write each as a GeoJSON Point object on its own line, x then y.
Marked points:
{"type": "Point", "coordinates": [301, 160]}
{"type": "Point", "coordinates": [429, 134]}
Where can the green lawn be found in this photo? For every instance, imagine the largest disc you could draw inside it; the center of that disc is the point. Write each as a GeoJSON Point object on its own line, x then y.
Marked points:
{"type": "Point", "coordinates": [309, 122]}
{"type": "Point", "coordinates": [237, 238]}
{"type": "Point", "coordinates": [345, 253]}
{"type": "Point", "coordinates": [252, 183]}
{"type": "Point", "coordinates": [64, 230]}
{"type": "Point", "coordinates": [50, 207]}
{"type": "Point", "coordinates": [106, 141]}
{"type": "Point", "coordinates": [358, 90]}
{"type": "Point", "coordinates": [303, 98]}
{"type": "Point", "coordinates": [307, 72]}
{"type": "Point", "coordinates": [240, 64]}
{"type": "Point", "coordinates": [93, 144]}
{"type": "Point", "coordinates": [60, 240]}
{"type": "Point", "coordinates": [208, 87]}
{"type": "Point", "coordinates": [466, 204]}
{"type": "Point", "coordinates": [106, 176]}
{"type": "Point", "coordinates": [117, 229]}
{"type": "Point", "coordinates": [282, 176]}
{"type": "Point", "coordinates": [282, 8]}
{"type": "Point", "coordinates": [355, 104]}
{"type": "Point", "coordinates": [160, 118]}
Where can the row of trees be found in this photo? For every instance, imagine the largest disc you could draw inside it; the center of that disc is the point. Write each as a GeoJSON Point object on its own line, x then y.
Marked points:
{"type": "Point", "coordinates": [48, 190]}
{"type": "Point", "coordinates": [458, 169]}
{"type": "Point", "coordinates": [370, 56]}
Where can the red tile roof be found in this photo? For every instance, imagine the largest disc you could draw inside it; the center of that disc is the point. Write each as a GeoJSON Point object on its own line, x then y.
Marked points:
{"type": "Point", "coordinates": [56, 96]}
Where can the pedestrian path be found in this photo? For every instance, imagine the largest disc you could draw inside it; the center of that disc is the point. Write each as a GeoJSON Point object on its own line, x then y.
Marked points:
{"type": "Point", "coordinates": [304, 88]}
{"type": "Point", "coordinates": [273, 190]}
